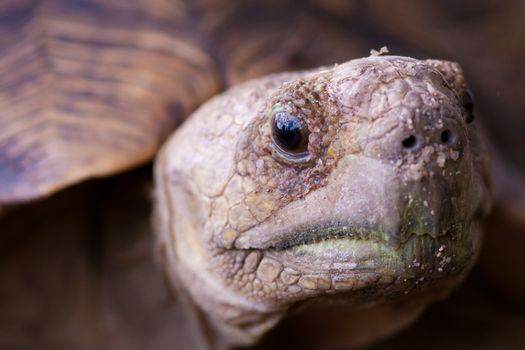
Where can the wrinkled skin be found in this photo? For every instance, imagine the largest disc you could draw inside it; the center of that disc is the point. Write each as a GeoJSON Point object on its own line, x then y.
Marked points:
{"type": "Point", "coordinates": [381, 212]}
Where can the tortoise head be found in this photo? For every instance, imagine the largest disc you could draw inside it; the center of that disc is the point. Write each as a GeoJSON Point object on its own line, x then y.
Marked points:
{"type": "Point", "coordinates": [362, 184]}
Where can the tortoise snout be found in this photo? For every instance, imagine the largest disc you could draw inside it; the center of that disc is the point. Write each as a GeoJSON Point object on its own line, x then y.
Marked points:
{"type": "Point", "coordinates": [416, 139]}
{"type": "Point", "coordinates": [413, 140]}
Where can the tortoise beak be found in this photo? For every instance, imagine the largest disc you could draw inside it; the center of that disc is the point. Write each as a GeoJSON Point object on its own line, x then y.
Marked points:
{"type": "Point", "coordinates": [361, 192]}
{"type": "Point", "coordinates": [364, 193]}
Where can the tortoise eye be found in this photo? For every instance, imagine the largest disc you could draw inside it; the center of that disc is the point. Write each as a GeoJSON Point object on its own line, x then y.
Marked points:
{"type": "Point", "coordinates": [468, 105]}
{"type": "Point", "coordinates": [290, 133]}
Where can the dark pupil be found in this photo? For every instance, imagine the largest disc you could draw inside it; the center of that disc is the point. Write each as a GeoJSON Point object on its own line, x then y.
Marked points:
{"type": "Point", "coordinates": [288, 130]}
{"type": "Point", "coordinates": [468, 105]}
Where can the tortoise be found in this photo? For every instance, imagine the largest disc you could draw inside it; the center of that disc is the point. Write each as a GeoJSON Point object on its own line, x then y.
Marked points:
{"type": "Point", "coordinates": [349, 194]}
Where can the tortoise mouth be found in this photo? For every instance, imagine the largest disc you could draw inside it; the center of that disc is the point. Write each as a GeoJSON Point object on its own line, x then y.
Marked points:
{"type": "Point", "coordinates": [331, 232]}
{"type": "Point", "coordinates": [338, 235]}
{"type": "Point", "coordinates": [341, 247]}
{"type": "Point", "coordinates": [328, 234]}
{"type": "Point", "coordinates": [355, 249]}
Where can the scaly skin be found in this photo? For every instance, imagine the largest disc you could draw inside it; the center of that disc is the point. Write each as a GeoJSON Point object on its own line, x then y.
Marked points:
{"type": "Point", "coordinates": [361, 221]}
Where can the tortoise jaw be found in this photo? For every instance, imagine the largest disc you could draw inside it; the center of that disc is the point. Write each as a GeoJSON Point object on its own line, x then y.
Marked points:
{"type": "Point", "coordinates": [326, 234]}
{"type": "Point", "coordinates": [374, 250]}
{"type": "Point", "coordinates": [337, 230]}
{"type": "Point", "coordinates": [348, 264]}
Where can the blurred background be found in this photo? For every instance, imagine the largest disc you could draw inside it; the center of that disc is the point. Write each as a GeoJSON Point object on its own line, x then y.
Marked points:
{"type": "Point", "coordinates": [77, 269]}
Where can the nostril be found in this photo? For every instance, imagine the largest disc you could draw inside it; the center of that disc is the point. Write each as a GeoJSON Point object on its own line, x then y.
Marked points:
{"type": "Point", "coordinates": [448, 137]}
{"type": "Point", "coordinates": [410, 142]}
